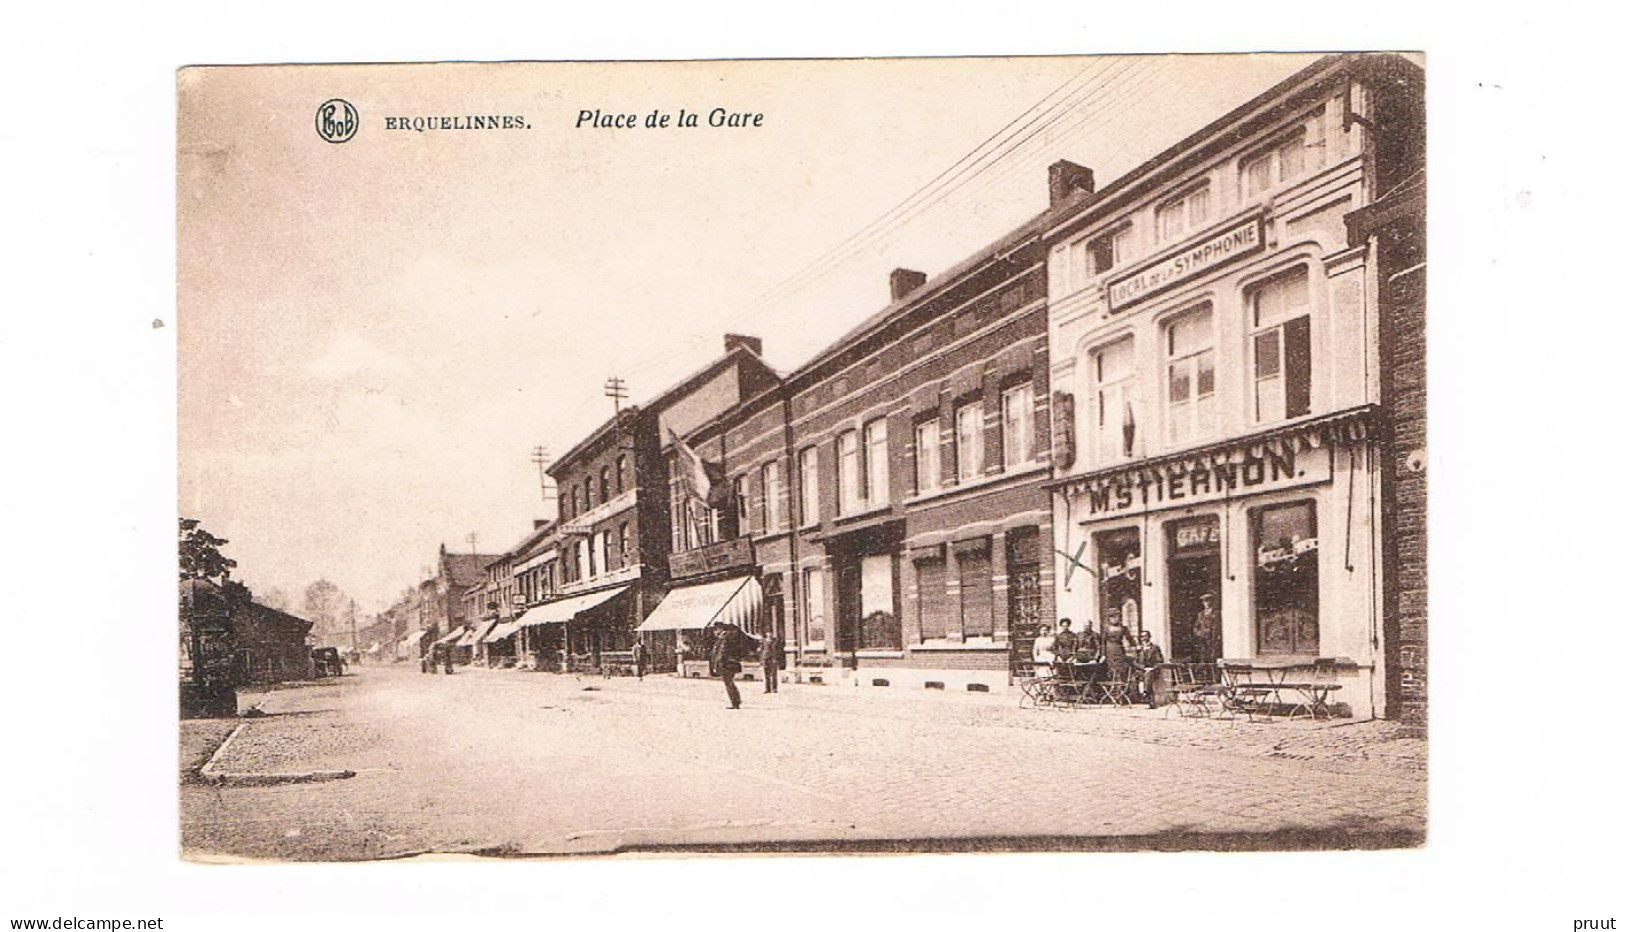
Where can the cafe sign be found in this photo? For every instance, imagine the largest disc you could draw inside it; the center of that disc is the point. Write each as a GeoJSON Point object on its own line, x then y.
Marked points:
{"type": "Point", "coordinates": [1204, 255]}
{"type": "Point", "coordinates": [723, 555]}
{"type": "Point", "coordinates": [1198, 482]}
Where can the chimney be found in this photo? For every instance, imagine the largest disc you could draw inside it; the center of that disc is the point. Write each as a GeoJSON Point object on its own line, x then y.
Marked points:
{"type": "Point", "coordinates": [1065, 178]}
{"type": "Point", "coordinates": [733, 341]}
{"type": "Point", "coordinates": [904, 281]}
{"type": "Point", "coordinates": [536, 524]}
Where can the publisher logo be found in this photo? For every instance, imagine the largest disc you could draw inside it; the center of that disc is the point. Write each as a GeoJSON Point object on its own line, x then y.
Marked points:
{"type": "Point", "coordinates": [337, 121]}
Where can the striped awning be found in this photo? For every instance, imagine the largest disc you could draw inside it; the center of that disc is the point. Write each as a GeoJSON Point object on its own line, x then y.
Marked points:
{"type": "Point", "coordinates": [503, 630]}
{"type": "Point", "coordinates": [474, 635]}
{"type": "Point", "coordinates": [555, 613]}
{"type": "Point", "coordinates": [732, 601]}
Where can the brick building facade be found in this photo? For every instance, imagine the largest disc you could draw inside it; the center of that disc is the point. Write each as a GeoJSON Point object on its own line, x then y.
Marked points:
{"type": "Point", "coordinates": [1216, 334]}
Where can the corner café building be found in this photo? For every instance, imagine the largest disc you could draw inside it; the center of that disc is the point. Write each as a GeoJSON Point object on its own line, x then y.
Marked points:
{"type": "Point", "coordinates": [1215, 368]}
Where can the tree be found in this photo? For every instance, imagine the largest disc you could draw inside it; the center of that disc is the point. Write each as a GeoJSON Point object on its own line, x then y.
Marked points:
{"type": "Point", "coordinates": [277, 599]}
{"type": "Point", "coordinates": [324, 606]}
{"type": "Point", "coordinates": [200, 553]}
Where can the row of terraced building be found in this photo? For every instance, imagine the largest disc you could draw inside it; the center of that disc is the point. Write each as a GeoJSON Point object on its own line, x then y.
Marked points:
{"type": "Point", "coordinates": [1205, 378]}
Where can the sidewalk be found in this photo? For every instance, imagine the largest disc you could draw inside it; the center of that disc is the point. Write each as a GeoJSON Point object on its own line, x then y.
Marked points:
{"type": "Point", "coordinates": [1378, 746]}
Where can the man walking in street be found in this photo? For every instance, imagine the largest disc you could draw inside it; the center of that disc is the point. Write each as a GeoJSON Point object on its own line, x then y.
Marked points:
{"type": "Point", "coordinates": [769, 656]}
{"type": "Point", "coordinates": [729, 646]}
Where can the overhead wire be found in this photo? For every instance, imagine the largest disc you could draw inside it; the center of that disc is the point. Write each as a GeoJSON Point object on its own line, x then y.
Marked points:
{"type": "Point", "coordinates": [1123, 83]}
{"type": "Point", "coordinates": [896, 217]}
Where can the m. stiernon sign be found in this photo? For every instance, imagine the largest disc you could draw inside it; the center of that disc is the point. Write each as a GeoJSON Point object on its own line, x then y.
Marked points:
{"type": "Point", "coordinates": [1196, 482]}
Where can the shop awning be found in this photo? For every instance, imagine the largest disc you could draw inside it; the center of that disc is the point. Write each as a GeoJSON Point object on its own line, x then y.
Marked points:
{"type": "Point", "coordinates": [476, 634]}
{"type": "Point", "coordinates": [503, 630]}
{"type": "Point", "coordinates": [411, 640]}
{"type": "Point", "coordinates": [563, 610]}
{"type": "Point", "coordinates": [452, 636]}
{"type": "Point", "coordinates": [735, 601]}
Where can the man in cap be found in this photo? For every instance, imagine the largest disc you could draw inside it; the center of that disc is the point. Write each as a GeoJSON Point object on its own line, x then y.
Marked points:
{"type": "Point", "coordinates": [1208, 630]}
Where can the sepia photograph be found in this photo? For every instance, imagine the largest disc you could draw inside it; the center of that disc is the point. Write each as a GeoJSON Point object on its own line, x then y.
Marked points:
{"type": "Point", "coordinates": [802, 456]}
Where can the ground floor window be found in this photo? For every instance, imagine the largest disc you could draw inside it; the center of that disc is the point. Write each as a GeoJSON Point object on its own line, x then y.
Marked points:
{"type": "Point", "coordinates": [1117, 556]}
{"type": "Point", "coordinates": [773, 606]}
{"type": "Point", "coordinates": [812, 603]}
{"type": "Point", "coordinates": [1286, 579]}
{"type": "Point", "coordinates": [878, 624]}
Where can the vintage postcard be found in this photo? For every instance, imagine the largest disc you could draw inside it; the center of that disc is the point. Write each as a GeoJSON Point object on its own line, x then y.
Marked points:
{"type": "Point", "coordinates": [971, 454]}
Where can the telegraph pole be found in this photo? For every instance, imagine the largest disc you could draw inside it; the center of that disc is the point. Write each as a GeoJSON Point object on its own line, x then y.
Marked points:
{"type": "Point", "coordinates": [355, 641]}
{"type": "Point", "coordinates": [615, 388]}
{"type": "Point", "coordinates": [473, 542]}
{"type": "Point", "coordinates": [540, 456]}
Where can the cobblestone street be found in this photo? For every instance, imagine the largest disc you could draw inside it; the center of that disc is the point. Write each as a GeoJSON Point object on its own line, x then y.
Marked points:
{"type": "Point", "coordinates": [504, 762]}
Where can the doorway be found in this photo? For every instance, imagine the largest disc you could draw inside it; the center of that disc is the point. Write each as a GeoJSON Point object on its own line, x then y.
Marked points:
{"type": "Point", "coordinates": [1194, 569]}
{"type": "Point", "coordinates": [848, 605]}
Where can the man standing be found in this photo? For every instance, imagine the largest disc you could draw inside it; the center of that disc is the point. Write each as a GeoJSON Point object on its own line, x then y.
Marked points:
{"type": "Point", "coordinates": [1208, 630]}
{"type": "Point", "coordinates": [1089, 646]}
{"type": "Point", "coordinates": [769, 655]}
{"type": "Point", "coordinates": [637, 656]}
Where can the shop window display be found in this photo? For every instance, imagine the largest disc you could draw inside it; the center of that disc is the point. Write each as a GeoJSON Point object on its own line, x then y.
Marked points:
{"type": "Point", "coordinates": [1286, 579]}
{"type": "Point", "coordinates": [1119, 573]}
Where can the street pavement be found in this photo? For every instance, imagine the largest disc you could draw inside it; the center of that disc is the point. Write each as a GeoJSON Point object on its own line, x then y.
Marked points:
{"type": "Point", "coordinates": [515, 763]}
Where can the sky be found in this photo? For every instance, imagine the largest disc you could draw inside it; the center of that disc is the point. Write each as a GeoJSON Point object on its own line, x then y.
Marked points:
{"type": "Point", "coordinates": [373, 335]}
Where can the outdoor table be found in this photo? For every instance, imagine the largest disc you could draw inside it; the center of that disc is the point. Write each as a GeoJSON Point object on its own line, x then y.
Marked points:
{"type": "Point", "coordinates": [1266, 678]}
{"type": "Point", "coordinates": [1083, 678]}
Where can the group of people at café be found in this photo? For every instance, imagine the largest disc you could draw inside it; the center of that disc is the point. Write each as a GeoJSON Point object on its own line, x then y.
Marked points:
{"type": "Point", "coordinates": [1127, 659]}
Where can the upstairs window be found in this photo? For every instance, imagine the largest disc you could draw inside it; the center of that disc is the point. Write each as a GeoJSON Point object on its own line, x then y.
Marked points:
{"type": "Point", "coordinates": [772, 493]}
{"type": "Point", "coordinates": [1017, 405]}
{"type": "Point", "coordinates": [807, 467]}
{"type": "Point", "coordinates": [620, 474]}
{"type": "Point", "coordinates": [1108, 250]}
{"type": "Point", "coordinates": [741, 494]}
{"type": "Point", "coordinates": [968, 441]}
{"type": "Point", "coordinates": [927, 457]}
{"type": "Point", "coordinates": [1182, 215]}
{"type": "Point", "coordinates": [1285, 160]}
{"type": "Point", "coordinates": [848, 491]}
{"type": "Point", "coordinates": [1279, 319]}
{"type": "Point", "coordinates": [1112, 368]}
{"type": "Point", "coordinates": [1191, 383]}
{"type": "Point", "coordinates": [877, 470]}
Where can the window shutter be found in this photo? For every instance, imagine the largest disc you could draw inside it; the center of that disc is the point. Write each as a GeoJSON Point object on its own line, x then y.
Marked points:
{"type": "Point", "coordinates": [975, 593]}
{"type": "Point", "coordinates": [1297, 366]}
{"type": "Point", "coordinates": [933, 582]}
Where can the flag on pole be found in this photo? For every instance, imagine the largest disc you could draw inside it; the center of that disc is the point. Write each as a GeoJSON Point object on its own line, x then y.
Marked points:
{"type": "Point", "coordinates": [1128, 426]}
{"type": "Point", "coordinates": [689, 468]}
{"type": "Point", "coordinates": [704, 481]}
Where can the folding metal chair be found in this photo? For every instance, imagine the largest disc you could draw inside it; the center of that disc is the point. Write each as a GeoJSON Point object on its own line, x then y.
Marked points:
{"type": "Point", "coordinates": [1115, 688]}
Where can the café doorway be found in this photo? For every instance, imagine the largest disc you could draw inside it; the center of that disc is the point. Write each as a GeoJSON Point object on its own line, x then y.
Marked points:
{"type": "Point", "coordinates": [1194, 568]}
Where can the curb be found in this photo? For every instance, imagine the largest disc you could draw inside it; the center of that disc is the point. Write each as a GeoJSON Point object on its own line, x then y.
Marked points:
{"type": "Point", "coordinates": [211, 773]}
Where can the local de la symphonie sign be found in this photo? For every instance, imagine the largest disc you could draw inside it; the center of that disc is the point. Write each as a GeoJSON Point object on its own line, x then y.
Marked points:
{"type": "Point", "coordinates": [1233, 242]}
